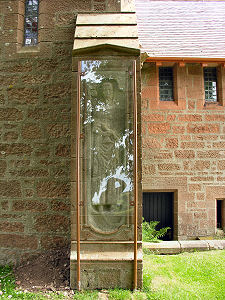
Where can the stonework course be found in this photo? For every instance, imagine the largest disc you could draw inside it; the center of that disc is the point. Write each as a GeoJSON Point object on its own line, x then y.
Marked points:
{"type": "Point", "coordinates": [35, 97]}
{"type": "Point", "coordinates": [183, 149]}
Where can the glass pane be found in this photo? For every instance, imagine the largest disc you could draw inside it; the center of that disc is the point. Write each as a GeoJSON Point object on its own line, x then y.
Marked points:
{"type": "Point", "coordinates": [107, 145]}
{"type": "Point", "coordinates": [166, 83]}
{"type": "Point", "coordinates": [31, 23]}
{"type": "Point", "coordinates": [210, 82]}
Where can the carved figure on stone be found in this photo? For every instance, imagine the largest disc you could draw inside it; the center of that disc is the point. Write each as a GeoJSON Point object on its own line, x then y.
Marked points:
{"type": "Point", "coordinates": [107, 138]}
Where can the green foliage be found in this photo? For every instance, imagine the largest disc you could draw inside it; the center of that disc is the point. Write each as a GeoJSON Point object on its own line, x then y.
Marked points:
{"type": "Point", "coordinates": [119, 294]}
{"type": "Point", "coordinates": [86, 295]}
{"type": "Point", "coordinates": [149, 232]}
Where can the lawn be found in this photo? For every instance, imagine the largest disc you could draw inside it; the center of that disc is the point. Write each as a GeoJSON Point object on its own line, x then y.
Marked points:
{"type": "Point", "coordinates": [198, 275]}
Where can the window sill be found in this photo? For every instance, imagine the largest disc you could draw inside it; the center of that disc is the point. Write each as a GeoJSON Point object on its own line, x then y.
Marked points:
{"type": "Point", "coordinates": [29, 49]}
{"type": "Point", "coordinates": [213, 105]}
{"type": "Point", "coordinates": [168, 105]}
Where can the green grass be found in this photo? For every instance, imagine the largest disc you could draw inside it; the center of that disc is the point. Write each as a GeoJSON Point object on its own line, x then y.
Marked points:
{"type": "Point", "coordinates": [187, 276]}
{"type": "Point", "coordinates": [198, 275]}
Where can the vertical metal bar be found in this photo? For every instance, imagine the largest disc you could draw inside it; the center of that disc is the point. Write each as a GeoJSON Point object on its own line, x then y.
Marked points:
{"type": "Point", "coordinates": [78, 176]}
{"type": "Point", "coordinates": [135, 176]}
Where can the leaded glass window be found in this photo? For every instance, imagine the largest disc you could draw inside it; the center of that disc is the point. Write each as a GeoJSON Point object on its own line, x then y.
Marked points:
{"type": "Point", "coordinates": [210, 83]}
{"type": "Point", "coordinates": [31, 23]}
{"type": "Point", "coordinates": [166, 83]}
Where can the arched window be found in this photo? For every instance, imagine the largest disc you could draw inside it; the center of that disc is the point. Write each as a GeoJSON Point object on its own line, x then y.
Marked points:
{"type": "Point", "coordinates": [31, 23]}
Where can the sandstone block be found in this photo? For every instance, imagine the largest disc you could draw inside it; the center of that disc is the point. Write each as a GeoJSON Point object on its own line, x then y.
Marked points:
{"type": "Point", "coordinates": [66, 19]}
{"type": "Point", "coordinates": [29, 205]}
{"type": "Point", "coordinates": [159, 128]}
{"type": "Point", "coordinates": [171, 143]}
{"type": "Point", "coordinates": [194, 187]}
{"type": "Point", "coordinates": [15, 149]}
{"type": "Point", "coordinates": [36, 79]}
{"type": "Point", "coordinates": [190, 118]}
{"type": "Point", "coordinates": [52, 223]}
{"type": "Point", "coordinates": [203, 128]}
{"type": "Point", "coordinates": [57, 91]}
{"type": "Point", "coordinates": [211, 154]}
{"type": "Point", "coordinates": [191, 246]}
{"type": "Point", "coordinates": [178, 129]}
{"type": "Point", "coordinates": [2, 167]}
{"type": "Point", "coordinates": [11, 136]}
{"type": "Point", "coordinates": [24, 242]}
{"type": "Point", "coordinates": [148, 169]}
{"type": "Point", "coordinates": [184, 154]}
{"type": "Point", "coordinates": [58, 130]}
{"type": "Point", "coordinates": [10, 189]}
{"type": "Point", "coordinates": [153, 117]}
{"type": "Point", "coordinates": [62, 150]}
{"type": "Point", "coordinates": [169, 247]}
{"type": "Point", "coordinates": [168, 167]}
{"type": "Point", "coordinates": [53, 242]}
{"type": "Point", "coordinates": [10, 114]}
{"type": "Point", "coordinates": [60, 206]}
{"type": "Point", "coordinates": [216, 244]}
{"type": "Point", "coordinates": [151, 143]}
{"type": "Point", "coordinates": [23, 95]}
{"type": "Point", "coordinates": [201, 165]}
{"type": "Point", "coordinates": [53, 189]}
{"type": "Point", "coordinates": [11, 227]}
{"type": "Point", "coordinates": [215, 117]}
{"type": "Point", "coordinates": [31, 131]}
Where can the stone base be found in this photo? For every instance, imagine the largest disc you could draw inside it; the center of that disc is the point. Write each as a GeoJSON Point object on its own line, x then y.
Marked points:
{"type": "Point", "coordinates": [105, 266]}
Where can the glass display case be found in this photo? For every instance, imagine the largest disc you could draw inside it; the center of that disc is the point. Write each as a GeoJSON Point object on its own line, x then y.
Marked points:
{"type": "Point", "coordinates": [106, 144]}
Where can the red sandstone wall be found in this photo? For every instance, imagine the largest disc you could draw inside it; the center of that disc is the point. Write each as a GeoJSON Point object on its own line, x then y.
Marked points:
{"type": "Point", "coordinates": [184, 147]}
{"type": "Point", "coordinates": [35, 97]}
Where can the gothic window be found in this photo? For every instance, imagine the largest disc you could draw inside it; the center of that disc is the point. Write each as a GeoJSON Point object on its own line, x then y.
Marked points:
{"type": "Point", "coordinates": [31, 23]}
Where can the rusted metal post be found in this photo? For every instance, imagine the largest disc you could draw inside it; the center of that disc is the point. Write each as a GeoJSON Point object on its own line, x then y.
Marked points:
{"type": "Point", "coordinates": [78, 176]}
{"type": "Point", "coordinates": [135, 176]}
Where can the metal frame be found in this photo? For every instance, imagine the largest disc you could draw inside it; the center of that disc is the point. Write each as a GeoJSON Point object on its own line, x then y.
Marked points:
{"type": "Point", "coordinates": [78, 176]}
{"type": "Point", "coordinates": [135, 175]}
{"type": "Point", "coordinates": [33, 14]}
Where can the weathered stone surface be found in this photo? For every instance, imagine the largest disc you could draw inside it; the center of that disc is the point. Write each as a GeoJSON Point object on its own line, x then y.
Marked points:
{"type": "Point", "coordinates": [190, 246]}
{"type": "Point", "coordinates": [52, 223]}
{"type": "Point", "coordinates": [31, 131]}
{"type": "Point", "coordinates": [169, 247]}
{"type": "Point", "coordinates": [2, 167]}
{"type": "Point", "coordinates": [53, 189]}
{"type": "Point", "coordinates": [11, 227]}
{"type": "Point", "coordinates": [30, 173]}
{"type": "Point", "coordinates": [60, 206]}
{"type": "Point", "coordinates": [216, 244]}
{"type": "Point", "coordinates": [23, 95]}
{"type": "Point", "coordinates": [58, 130]}
{"type": "Point", "coordinates": [10, 189]}
{"type": "Point", "coordinates": [10, 136]}
{"type": "Point", "coordinates": [56, 91]}
{"type": "Point", "coordinates": [23, 242]}
{"type": "Point", "coordinates": [29, 205]}
{"type": "Point", "coordinates": [15, 149]}
{"type": "Point", "coordinates": [63, 150]}
{"type": "Point", "coordinates": [10, 114]}
{"type": "Point", "coordinates": [54, 242]}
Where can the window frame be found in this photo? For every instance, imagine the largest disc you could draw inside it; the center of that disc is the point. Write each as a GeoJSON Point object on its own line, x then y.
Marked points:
{"type": "Point", "coordinates": [33, 14]}
{"type": "Point", "coordinates": [220, 72]}
{"type": "Point", "coordinates": [172, 87]}
{"type": "Point", "coordinates": [215, 71]}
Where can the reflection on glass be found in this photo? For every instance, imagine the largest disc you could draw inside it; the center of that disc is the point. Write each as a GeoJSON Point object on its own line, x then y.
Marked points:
{"type": "Point", "coordinates": [107, 126]}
